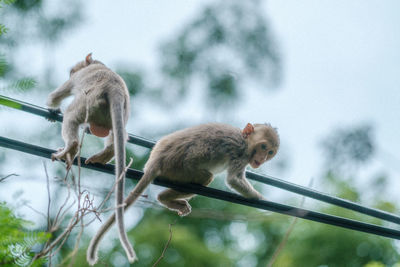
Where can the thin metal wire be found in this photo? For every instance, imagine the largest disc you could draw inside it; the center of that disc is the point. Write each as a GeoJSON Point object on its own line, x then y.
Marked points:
{"type": "Point", "coordinates": [219, 194]}
{"type": "Point", "coordinates": [57, 116]}
{"type": "Point", "coordinates": [266, 179]}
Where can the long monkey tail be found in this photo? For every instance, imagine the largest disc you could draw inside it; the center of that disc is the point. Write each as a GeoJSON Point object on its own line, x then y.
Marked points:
{"type": "Point", "coordinates": [117, 110]}
{"type": "Point", "coordinates": [147, 178]}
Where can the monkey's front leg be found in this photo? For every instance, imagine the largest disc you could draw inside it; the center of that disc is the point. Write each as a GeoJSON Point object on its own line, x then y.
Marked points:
{"type": "Point", "coordinates": [237, 181]}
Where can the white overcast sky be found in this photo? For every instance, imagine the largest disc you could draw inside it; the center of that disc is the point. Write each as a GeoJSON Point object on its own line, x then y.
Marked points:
{"type": "Point", "coordinates": [341, 67]}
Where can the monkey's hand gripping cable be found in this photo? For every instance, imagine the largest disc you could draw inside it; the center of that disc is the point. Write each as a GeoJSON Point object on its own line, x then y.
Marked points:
{"type": "Point", "coordinates": [219, 194]}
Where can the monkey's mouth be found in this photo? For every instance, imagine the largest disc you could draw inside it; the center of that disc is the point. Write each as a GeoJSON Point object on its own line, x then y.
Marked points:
{"type": "Point", "coordinates": [255, 164]}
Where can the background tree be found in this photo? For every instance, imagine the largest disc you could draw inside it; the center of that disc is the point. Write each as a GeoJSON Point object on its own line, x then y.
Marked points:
{"type": "Point", "coordinates": [226, 49]}
{"type": "Point", "coordinates": [228, 46]}
{"type": "Point", "coordinates": [213, 57]}
{"type": "Point", "coordinates": [18, 244]}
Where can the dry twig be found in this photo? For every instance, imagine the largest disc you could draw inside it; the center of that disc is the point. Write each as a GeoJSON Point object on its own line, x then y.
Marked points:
{"type": "Point", "coordinates": [166, 245]}
{"type": "Point", "coordinates": [8, 176]}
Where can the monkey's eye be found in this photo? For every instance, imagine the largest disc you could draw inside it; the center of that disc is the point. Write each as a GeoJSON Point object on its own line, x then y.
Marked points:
{"type": "Point", "coordinates": [264, 147]}
{"type": "Point", "coordinates": [270, 152]}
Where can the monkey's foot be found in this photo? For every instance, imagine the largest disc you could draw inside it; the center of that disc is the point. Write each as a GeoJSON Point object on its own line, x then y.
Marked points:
{"type": "Point", "coordinates": [54, 155]}
{"type": "Point", "coordinates": [66, 154]}
{"type": "Point", "coordinates": [258, 197]}
{"type": "Point", "coordinates": [185, 210]}
{"type": "Point", "coordinates": [102, 157]}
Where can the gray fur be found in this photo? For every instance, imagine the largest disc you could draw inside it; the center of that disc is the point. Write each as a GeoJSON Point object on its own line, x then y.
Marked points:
{"type": "Point", "coordinates": [193, 155]}
{"type": "Point", "coordinates": [101, 94]}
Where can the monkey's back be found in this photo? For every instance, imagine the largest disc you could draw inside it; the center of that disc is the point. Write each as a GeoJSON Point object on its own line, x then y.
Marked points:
{"type": "Point", "coordinates": [197, 147]}
{"type": "Point", "coordinates": [96, 83]}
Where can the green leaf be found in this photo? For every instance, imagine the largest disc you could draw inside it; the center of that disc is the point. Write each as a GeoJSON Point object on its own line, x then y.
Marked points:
{"type": "Point", "coordinates": [3, 64]}
{"type": "Point", "coordinates": [7, 2]}
{"type": "Point", "coordinates": [3, 29]}
{"type": "Point", "coordinates": [27, 5]}
{"type": "Point", "coordinates": [24, 84]}
{"type": "Point", "coordinates": [16, 242]}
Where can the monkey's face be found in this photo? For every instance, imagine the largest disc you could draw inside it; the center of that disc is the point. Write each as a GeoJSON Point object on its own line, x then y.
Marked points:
{"type": "Point", "coordinates": [262, 152]}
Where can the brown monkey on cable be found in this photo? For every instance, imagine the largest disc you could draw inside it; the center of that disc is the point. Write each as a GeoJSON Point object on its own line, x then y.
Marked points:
{"type": "Point", "coordinates": [194, 155]}
{"type": "Point", "coordinates": [102, 100]}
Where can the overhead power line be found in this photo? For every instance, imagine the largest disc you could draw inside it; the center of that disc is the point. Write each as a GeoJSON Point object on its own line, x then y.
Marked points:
{"type": "Point", "coordinates": [266, 179]}
{"type": "Point", "coordinates": [57, 116]}
{"type": "Point", "coordinates": [218, 194]}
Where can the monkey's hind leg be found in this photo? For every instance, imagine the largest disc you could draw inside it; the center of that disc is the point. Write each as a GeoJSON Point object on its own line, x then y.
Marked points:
{"type": "Point", "coordinates": [178, 201]}
{"type": "Point", "coordinates": [175, 200]}
{"type": "Point", "coordinates": [70, 129]}
{"type": "Point", "coordinates": [106, 154]}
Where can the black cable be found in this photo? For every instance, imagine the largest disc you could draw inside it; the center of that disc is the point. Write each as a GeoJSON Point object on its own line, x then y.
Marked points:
{"type": "Point", "coordinates": [301, 190]}
{"type": "Point", "coordinates": [219, 194]}
{"type": "Point", "coordinates": [266, 179]}
{"type": "Point", "coordinates": [57, 116]}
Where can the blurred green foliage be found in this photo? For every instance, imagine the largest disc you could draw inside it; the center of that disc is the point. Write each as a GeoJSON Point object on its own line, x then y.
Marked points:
{"type": "Point", "coordinates": [346, 149]}
{"type": "Point", "coordinates": [227, 45]}
{"type": "Point", "coordinates": [3, 28]}
{"type": "Point", "coordinates": [134, 81]}
{"type": "Point", "coordinates": [33, 24]}
{"type": "Point", "coordinates": [313, 244]}
{"type": "Point", "coordinates": [217, 233]}
{"type": "Point", "coordinates": [17, 244]}
{"type": "Point", "coordinates": [28, 5]}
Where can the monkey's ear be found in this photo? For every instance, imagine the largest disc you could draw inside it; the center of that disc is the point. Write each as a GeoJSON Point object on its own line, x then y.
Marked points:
{"type": "Point", "coordinates": [249, 129]}
{"type": "Point", "coordinates": [89, 59]}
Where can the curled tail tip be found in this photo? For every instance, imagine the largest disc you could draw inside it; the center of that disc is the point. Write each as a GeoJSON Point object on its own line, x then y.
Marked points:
{"type": "Point", "coordinates": [130, 252]}
{"type": "Point", "coordinates": [91, 259]}
{"type": "Point", "coordinates": [132, 258]}
{"type": "Point", "coordinates": [91, 253]}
